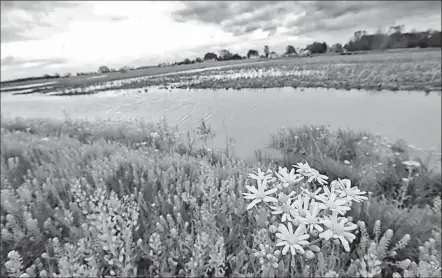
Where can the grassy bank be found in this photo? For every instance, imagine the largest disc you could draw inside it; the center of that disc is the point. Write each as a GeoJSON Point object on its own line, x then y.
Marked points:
{"type": "Point", "coordinates": [138, 196]}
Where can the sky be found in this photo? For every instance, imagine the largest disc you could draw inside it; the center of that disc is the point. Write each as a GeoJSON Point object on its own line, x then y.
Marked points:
{"type": "Point", "coordinates": [39, 37]}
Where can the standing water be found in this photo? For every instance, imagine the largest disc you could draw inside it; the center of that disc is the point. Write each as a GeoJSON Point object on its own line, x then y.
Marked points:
{"type": "Point", "coordinates": [250, 116]}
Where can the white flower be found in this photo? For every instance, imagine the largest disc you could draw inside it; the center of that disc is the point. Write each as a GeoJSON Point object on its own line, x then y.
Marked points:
{"type": "Point", "coordinates": [350, 193]}
{"type": "Point", "coordinates": [286, 210]}
{"type": "Point", "coordinates": [292, 241]}
{"type": "Point", "coordinates": [312, 218]}
{"type": "Point", "coordinates": [338, 229]}
{"type": "Point", "coordinates": [259, 175]}
{"type": "Point", "coordinates": [288, 178]}
{"type": "Point", "coordinates": [308, 193]}
{"type": "Point", "coordinates": [315, 175]}
{"type": "Point", "coordinates": [259, 194]}
{"type": "Point", "coordinates": [333, 203]}
{"type": "Point", "coordinates": [303, 169]}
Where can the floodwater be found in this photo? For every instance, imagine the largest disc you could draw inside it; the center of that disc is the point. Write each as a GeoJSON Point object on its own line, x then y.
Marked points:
{"type": "Point", "coordinates": [250, 116]}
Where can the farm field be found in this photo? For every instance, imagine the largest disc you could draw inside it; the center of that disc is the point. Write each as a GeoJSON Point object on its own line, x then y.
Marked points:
{"type": "Point", "coordinates": [390, 70]}
{"type": "Point", "coordinates": [146, 176]}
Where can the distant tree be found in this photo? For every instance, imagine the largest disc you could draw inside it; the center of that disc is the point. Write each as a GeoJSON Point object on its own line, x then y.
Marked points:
{"type": "Point", "coordinates": [210, 56]}
{"type": "Point", "coordinates": [57, 75]}
{"type": "Point", "coordinates": [266, 51]}
{"type": "Point", "coordinates": [103, 69]}
{"type": "Point", "coordinates": [236, 57]}
{"type": "Point", "coordinates": [252, 52]}
{"type": "Point", "coordinates": [198, 60]}
{"type": "Point", "coordinates": [225, 55]}
{"type": "Point", "coordinates": [47, 76]}
{"type": "Point", "coordinates": [317, 47]}
{"type": "Point", "coordinates": [289, 49]}
{"type": "Point", "coordinates": [187, 61]}
{"type": "Point", "coordinates": [337, 48]}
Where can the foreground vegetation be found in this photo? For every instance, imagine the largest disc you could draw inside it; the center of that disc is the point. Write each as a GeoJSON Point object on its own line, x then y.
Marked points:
{"type": "Point", "coordinates": [137, 199]}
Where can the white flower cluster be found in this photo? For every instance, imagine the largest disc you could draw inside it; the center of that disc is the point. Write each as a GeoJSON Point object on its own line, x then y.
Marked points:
{"type": "Point", "coordinates": [307, 209]}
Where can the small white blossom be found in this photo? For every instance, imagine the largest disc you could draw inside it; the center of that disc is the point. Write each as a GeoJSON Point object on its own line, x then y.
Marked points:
{"type": "Point", "coordinates": [288, 178]}
{"type": "Point", "coordinates": [303, 168]}
{"type": "Point", "coordinates": [293, 241]}
{"type": "Point", "coordinates": [338, 229]}
{"type": "Point", "coordinates": [333, 203]}
{"type": "Point", "coordinates": [259, 175]}
{"type": "Point", "coordinates": [350, 193]}
{"type": "Point", "coordinates": [259, 194]}
{"type": "Point", "coordinates": [314, 175]}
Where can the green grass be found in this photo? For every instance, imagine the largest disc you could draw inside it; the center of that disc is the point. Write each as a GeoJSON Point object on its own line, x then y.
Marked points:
{"type": "Point", "coordinates": [175, 183]}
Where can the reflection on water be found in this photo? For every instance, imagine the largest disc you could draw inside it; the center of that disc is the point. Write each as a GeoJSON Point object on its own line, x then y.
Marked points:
{"type": "Point", "coordinates": [251, 115]}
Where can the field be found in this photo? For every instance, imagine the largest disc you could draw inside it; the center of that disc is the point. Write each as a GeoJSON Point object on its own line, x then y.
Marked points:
{"type": "Point", "coordinates": [138, 197]}
{"type": "Point", "coordinates": [405, 70]}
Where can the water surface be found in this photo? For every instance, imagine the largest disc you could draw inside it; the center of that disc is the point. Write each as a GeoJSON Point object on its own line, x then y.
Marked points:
{"type": "Point", "coordinates": [251, 115]}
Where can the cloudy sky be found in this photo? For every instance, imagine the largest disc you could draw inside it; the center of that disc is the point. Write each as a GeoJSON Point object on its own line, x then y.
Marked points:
{"type": "Point", "coordinates": [39, 37]}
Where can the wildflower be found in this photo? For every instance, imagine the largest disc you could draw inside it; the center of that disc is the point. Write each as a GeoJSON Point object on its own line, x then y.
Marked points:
{"type": "Point", "coordinates": [311, 195]}
{"type": "Point", "coordinates": [292, 241]}
{"type": "Point", "coordinates": [288, 178]}
{"type": "Point", "coordinates": [314, 175]}
{"type": "Point", "coordinates": [346, 162]}
{"type": "Point", "coordinates": [351, 193]}
{"type": "Point", "coordinates": [333, 203]}
{"type": "Point", "coordinates": [303, 169]}
{"type": "Point", "coordinates": [283, 198]}
{"type": "Point", "coordinates": [312, 219]}
{"type": "Point", "coordinates": [259, 194]}
{"type": "Point", "coordinates": [286, 210]}
{"type": "Point", "coordinates": [259, 175]}
{"type": "Point", "coordinates": [338, 230]}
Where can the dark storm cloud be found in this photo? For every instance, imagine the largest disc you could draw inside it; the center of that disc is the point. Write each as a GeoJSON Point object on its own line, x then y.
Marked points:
{"type": "Point", "coordinates": [304, 17]}
{"type": "Point", "coordinates": [18, 17]}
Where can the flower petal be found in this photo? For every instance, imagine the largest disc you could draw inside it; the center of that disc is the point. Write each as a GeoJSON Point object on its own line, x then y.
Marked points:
{"type": "Point", "coordinates": [253, 203]}
{"type": "Point", "coordinates": [251, 188]}
{"type": "Point", "coordinates": [327, 234]}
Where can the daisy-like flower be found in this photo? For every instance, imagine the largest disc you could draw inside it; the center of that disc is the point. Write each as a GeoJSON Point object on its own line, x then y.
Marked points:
{"type": "Point", "coordinates": [332, 202]}
{"type": "Point", "coordinates": [311, 195]}
{"type": "Point", "coordinates": [312, 218]}
{"type": "Point", "coordinates": [350, 193]}
{"type": "Point", "coordinates": [293, 241]}
{"type": "Point", "coordinates": [303, 168]}
{"type": "Point", "coordinates": [314, 175]}
{"type": "Point", "coordinates": [259, 194]}
{"type": "Point", "coordinates": [260, 175]}
{"type": "Point", "coordinates": [339, 228]}
{"type": "Point", "coordinates": [286, 210]}
{"type": "Point", "coordinates": [288, 178]}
